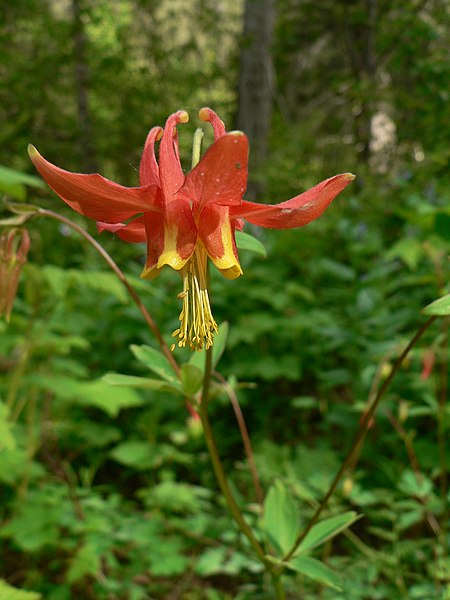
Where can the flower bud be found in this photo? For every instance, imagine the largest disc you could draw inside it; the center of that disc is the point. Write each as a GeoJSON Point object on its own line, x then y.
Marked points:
{"type": "Point", "coordinates": [14, 247]}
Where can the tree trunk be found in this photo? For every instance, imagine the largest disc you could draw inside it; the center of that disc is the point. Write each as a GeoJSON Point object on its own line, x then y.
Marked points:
{"type": "Point", "coordinates": [81, 88]}
{"type": "Point", "coordinates": [256, 76]}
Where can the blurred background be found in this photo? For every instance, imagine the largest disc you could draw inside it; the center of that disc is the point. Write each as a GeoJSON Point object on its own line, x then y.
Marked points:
{"type": "Point", "coordinates": [109, 495]}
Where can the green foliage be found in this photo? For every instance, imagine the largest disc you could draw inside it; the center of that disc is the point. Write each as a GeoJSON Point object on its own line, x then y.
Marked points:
{"type": "Point", "coordinates": [106, 489]}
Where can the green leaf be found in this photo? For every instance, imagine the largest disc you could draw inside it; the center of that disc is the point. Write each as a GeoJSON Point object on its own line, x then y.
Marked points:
{"type": "Point", "coordinates": [85, 562]}
{"type": "Point", "coordinates": [155, 361]}
{"type": "Point", "coordinates": [409, 250]}
{"type": "Point", "coordinates": [325, 530]}
{"type": "Point", "coordinates": [13, 182]}
{"type": "Point", "coordinates": [135, 454]}
{"type": "Point", "coordinates": [281, 520]}
{"type": "Point", "coordinates": [90, 393]}
{"type": "Point", "coordinates": [191, 379]}
{"type": "Point", "coordinates": [245, 241]}
{"type": "Point", "coordinates": [144, 383]}
{"type": "Point", "coordinates": [438, 308]}
{"type": "Point", "coordinates": [220, 341]}
{"type": "Point", "coordinates": [316, 570]}
{"type": "Point", "coordinates": [7, 592]}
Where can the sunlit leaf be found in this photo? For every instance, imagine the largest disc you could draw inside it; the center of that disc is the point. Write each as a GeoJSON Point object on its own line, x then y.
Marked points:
{"type": "Point", "coordinates": [438, 308]}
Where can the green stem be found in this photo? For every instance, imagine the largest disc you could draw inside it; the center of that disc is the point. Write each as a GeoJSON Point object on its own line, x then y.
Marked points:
{"type": "Point", "coordinates": [442, 395]}
{"type": "Point", "coordinates": [278, 587]}
{"type": "Point", "coordinates": [121, 276]}
{"type": "Point", "coordinates": [360, 434]}
{"type": "Point", "coordinates": [218, 467]}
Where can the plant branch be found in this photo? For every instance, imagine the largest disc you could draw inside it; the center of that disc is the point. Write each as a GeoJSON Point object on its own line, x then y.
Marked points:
{"type": "Point", "coordinates": [360, 434]}
{"type": "Point", "coordinates": [244, 435]}
{"type": "Point", "coordinates": [121, 276]}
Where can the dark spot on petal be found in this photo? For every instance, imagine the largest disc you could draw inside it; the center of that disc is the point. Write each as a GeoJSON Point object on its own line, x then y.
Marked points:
{"type": "Point", "coordinates": [238, 165]}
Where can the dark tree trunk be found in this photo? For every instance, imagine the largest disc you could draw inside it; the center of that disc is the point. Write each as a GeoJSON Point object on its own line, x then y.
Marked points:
{"type": "Point", "coordinates": [256, 77]}
{"type": "Point", "coordinates": [81, 88]}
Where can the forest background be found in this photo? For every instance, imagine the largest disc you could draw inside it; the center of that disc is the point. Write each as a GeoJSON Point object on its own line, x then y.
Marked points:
{"type": "Point", "coordinates": [108, 493]}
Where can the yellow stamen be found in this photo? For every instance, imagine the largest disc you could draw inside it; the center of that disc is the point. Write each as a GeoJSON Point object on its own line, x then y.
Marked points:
{"type": "Point", "coordinates": [197, 324]}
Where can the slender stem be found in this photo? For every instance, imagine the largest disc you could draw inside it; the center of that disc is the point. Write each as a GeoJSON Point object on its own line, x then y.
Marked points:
{"type": "Point", "coordinates": [218, 467]}
{"type": "Point", "coordinates": [360, 434]}
{"type": "Point", "coordinates": [442, 395]}
{"type": "Point", "coordinates": [278, 587]}
{"type": "Point", "coordinates": [121, 276]}
{"type": "Point", "coordinates": [244, 435]}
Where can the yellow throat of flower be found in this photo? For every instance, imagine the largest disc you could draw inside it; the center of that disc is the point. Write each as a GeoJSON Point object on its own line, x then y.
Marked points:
{"type": "Point", "coordinates": [197, 324]}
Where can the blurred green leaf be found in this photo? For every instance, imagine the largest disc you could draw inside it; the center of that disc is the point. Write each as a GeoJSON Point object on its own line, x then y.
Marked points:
{"type": "Point", "coordinates": [155, 361]}
{"type": "Point", "coordinates": [191, 379]}
{"type": "Point", "coordinates": [7, 592]}
{"type": "Point", "coordinates": [325, 530]}
{"type": "Point", "coordinates": [145, 383]}
{"type": "Point", "coordinates": [281, 521]}
{"type": "Point", "coordinates": [13, 183]}
{"type": "Point", "coordinates": [316, 570]}
{"type": "Point", "coordinates": [245, 241]}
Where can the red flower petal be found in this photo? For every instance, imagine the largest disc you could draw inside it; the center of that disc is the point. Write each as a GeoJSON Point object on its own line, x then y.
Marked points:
{"type": "Point", "coordinates": [216, 231]}
{"type": "Point", "coordinates": [221, 175]}
{"type": "Point", "coordinates": [93, 195]}
{"type": "Point", "coordinates": [148, 169]}
{"type": "Point", "coordinates": [133, 232]}
{"type": "Point", "coordinates": [297, 211]}
{"type": "Point", "coordinates": [208, 115]}
{"type": "Point", "coordinates": [170, 172]}
{"type": "Point", "coordinates": [171, 237]}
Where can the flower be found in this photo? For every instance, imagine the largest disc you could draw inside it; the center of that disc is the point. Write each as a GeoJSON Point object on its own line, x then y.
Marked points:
{"type": "Point", "coordinates": [184, 219]}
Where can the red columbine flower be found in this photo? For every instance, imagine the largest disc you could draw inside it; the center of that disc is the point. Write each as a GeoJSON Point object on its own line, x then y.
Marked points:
{"type": "Point", "coordinates": [186, 219]}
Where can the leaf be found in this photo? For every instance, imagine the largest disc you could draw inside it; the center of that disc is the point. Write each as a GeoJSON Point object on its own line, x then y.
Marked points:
{"type": "Point", "coordinates": [85, 562]}
{"type": "Point", "coordinates": [155, 361]}
{"type": "Point", "coordinates": [409, 250]}
{"type": "Point", "coordinates": [144, 383]}
{"type": "Point", "coordinates": [90, 393]}
{"type": "Point", "coordinates": [135, 454]}
{"type": "Point", "coordinates": [245, 241]}
{"type": "Point", "coordinates": [191, 379]}
{"type": "Point", "coordinates": [13, 182]}
{"type": "Point", "coordinates": [281, 520]}
{"type": "Point", "coordinates": [7, 592]}
{"type": "Point", "coordinates": [438, 308]}
{"type": "Point", "coordinates": [220, 341]}
{"type": "Point", "coordinates": [316, 570]}
{"type": "Point", "coordinates": [325, 530]}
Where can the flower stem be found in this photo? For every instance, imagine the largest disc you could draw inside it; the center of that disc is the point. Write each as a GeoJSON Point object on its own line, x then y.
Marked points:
{"type": "Point", "coordinates": [121, 276]}
{"type": "Point", "coordinates": [360, 434]}
{"type": "Point", "coordinates": [218, 467]}
{"type": "Point", "coordinates": [278, 587]}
